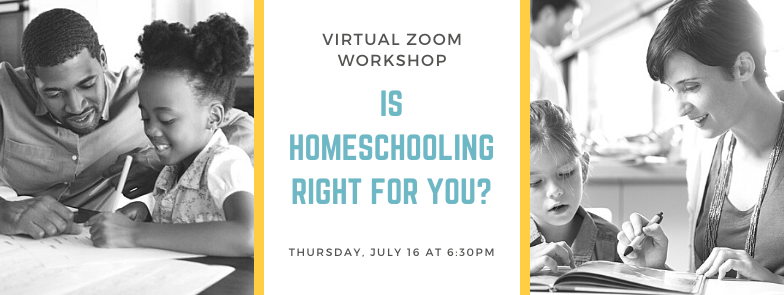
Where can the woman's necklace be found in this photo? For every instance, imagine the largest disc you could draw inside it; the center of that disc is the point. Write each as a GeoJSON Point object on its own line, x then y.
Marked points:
{"type": "Point", "coordinates": [721, 190]}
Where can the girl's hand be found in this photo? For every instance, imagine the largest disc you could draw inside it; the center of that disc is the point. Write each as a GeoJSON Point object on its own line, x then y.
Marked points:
{"type": "Point", "coordinates": [551, 255]}
{"type": "Point", "coordinates": [112, 230]}
{"type": "Point", "coordinates": [136, 211]}
{"type": "Point", "coordinates": [653, 250]}
{"type": "Point", "coordinates": [722, 260]}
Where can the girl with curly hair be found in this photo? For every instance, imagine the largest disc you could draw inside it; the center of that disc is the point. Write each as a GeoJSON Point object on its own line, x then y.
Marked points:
{"type": "Point", "coordinates": [204, 195]}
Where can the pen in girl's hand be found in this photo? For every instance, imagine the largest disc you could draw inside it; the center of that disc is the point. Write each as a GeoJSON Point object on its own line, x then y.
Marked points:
{"type": "Point", "coordinates": [638, 240]}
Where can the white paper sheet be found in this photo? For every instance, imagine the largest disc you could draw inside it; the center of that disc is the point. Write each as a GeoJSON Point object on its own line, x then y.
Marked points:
{"type": "Point", "coordinates": [159, 277]}
{"type": "Point", "coordinates": [23, 274]}
{"type": "Point", "coordinates": [70, 264]}
{"type": "Point", "coordinates": [8, 244]}
{"type": "Point", "coordinates": [739, 286]}
{"type": "Point", "coordinates": [70, 250]}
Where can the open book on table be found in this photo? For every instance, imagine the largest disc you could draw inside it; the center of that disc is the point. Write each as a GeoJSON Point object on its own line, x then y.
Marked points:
{"type": "Point", "coordinates": [614, 277]}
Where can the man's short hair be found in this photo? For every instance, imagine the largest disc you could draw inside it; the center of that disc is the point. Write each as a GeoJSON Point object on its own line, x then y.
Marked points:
{"type": "Point", "coordinates": [559, 5]}
{"type": "Point", "coordinates": [56, 36]}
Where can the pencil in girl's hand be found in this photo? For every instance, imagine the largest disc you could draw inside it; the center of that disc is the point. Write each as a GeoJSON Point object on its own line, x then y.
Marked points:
{"type": "Point", "coordinates": [124, 175]}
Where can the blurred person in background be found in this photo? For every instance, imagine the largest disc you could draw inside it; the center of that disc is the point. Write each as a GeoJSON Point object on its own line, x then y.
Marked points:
{"type": "Point", "coordinates": [552, 21]}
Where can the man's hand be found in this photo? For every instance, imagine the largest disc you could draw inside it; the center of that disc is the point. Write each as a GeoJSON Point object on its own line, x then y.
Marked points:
{"type": "Point", "coordinates": [144, 171]}
{"type": "Point", "coordinates": [38, 217]}
{"type": "Point", "coordinates": [136, 211]}
{"type": "Point", "coordinates": [112, 230]}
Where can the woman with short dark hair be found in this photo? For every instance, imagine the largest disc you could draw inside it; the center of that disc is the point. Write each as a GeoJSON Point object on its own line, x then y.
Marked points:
{"type": "Point", "coordinates": [711, 55]}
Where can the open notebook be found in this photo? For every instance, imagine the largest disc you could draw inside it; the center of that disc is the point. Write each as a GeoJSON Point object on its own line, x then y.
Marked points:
{"type": "Point", "coordinates": [613, 277]}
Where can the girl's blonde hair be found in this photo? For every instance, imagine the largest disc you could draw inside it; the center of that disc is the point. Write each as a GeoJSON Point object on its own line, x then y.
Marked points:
{"type": "Point", "coordinates": [551, 127]}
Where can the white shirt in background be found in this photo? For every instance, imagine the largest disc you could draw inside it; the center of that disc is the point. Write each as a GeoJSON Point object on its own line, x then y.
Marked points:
{"type": "Point", "coordinates": [546, 79]}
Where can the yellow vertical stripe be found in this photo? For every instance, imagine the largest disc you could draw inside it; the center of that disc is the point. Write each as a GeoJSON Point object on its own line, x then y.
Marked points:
{"type": "Point", "coordinates": [258, 137]}
{"type": "Point", "coordinates": [525, 108]}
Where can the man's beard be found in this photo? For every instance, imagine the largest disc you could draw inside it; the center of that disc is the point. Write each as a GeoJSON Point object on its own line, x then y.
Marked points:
{"type": "Point", "coordinates": [86, 127]}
